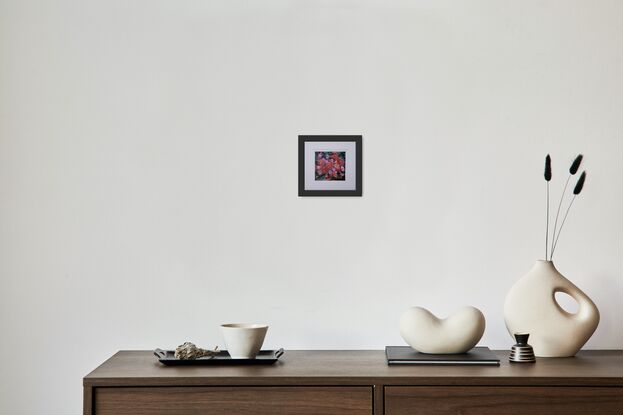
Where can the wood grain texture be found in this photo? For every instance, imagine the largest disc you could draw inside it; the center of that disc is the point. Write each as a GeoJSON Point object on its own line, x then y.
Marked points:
{"type": "Point", "coordinates": [361, 367]}
{"type": "Point", "coordinates": [87, 401]}
{"type": "Point", "coordinates": [379, 399]}
{"type": "Point", "coordinates": [234, 400]}
{"type": "Point", "coordinates": [459, 400]}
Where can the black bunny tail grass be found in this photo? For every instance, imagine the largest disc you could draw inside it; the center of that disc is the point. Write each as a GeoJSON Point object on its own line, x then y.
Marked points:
{"type": "Point", "coordinates": [580, 184]}
{"type": "Point", "coordinates": [576, 191]}
{"type": "Point", "coordinates": [576, 164]}
{"type": "Point", "coordinates": [548, 176]}
{"type": "Point", "coordinates": [548, 168]}
{"type": "Point", "coordinates": [573, 169]}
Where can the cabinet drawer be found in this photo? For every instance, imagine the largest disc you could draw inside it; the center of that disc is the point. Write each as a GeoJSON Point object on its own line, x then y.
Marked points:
{"type": "Point", "coordinates": [498, 400]}
{"type": "Point", "coordinates": [220, 400]}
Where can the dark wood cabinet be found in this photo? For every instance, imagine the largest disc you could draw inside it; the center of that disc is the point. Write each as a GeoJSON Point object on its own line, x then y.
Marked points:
{"type": "Point", "coordinates": [504, 400]}
{"type": "Point", "coordinates": [226, 400]}
{"type": "Point", "coordinates": [356, 383]}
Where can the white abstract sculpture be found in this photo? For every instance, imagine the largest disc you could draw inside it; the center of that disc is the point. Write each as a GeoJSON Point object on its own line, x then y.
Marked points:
{"type": "Point", "coordinates": [457, 333]}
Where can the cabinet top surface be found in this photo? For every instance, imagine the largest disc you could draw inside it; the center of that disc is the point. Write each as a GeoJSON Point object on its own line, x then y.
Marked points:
{"type": "Point", "coordinates": [351, 367]}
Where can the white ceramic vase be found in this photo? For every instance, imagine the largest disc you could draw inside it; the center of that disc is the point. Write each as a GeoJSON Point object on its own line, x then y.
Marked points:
{"type": "Point", "coordinates": [531, 308]}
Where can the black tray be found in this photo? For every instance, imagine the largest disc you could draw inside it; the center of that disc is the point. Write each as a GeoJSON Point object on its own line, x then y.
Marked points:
{"type": "Point", "coordinates": [264, 357]}
{"type": "Point", "coordinates": [405, 355]}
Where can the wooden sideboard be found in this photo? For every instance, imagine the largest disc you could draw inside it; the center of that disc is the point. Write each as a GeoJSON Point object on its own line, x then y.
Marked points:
{"type": "Point", "coordinates": [357, 383]}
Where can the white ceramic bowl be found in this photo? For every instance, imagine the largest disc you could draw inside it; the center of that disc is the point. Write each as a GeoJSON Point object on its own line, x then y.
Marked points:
{"type": "Point", "coordinates": [243, 341]}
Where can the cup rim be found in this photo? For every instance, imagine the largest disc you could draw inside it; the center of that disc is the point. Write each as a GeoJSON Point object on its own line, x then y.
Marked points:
{"type": "Point", "coordinates": [244, 326]}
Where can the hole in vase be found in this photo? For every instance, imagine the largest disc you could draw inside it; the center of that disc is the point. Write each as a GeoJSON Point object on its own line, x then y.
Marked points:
{"type": "Point", "coordinates": [566, 302]}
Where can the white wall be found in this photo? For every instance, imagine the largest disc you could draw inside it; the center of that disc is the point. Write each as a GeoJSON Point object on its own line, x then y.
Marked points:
{"type": "Point", "coordinates": [148, 171]}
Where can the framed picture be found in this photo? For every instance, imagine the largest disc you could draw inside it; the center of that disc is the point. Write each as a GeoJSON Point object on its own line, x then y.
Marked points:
{"type": "Point", "coordinates": [330, 165]}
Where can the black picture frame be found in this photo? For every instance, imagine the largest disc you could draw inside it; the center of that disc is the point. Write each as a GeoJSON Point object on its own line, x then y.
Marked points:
{"type": "Point", "coordinates": [357, 139]}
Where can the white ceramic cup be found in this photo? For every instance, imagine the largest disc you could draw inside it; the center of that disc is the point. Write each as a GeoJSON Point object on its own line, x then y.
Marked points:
{"type": "Point", "coordinates": [243, 341]}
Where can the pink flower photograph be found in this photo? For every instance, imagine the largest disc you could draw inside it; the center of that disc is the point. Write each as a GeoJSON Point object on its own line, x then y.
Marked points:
{"type": "Point", "coordinates": [330, 165]}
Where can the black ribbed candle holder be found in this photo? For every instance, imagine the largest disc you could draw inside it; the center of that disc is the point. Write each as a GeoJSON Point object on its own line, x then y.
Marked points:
{"type": "Point", "coordinates": [521, 352]}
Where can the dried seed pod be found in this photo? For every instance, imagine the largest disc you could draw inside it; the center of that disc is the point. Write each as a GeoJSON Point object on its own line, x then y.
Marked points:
{"type": "Point", "coordinates": [576, 164]}
{"type": "Point", "coordinates": [580, 184]}
{"type": "Point", "coordinates": [188, 351]}
{"type": "Point", "coordinates": [548, 168]}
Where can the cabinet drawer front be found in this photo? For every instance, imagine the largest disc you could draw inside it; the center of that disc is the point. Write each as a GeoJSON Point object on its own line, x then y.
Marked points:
{"type": "Point", "coordinates": [219, 400]}
{"type": "Point", "coordinates": [497, 400]}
